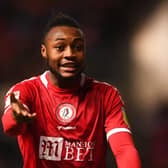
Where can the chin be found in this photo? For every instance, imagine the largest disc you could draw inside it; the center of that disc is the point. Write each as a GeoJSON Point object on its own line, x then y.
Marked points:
{"type": "Point", "coordinates": [66, 76]}
{"type": "Point", "coordinates": [69, 76]}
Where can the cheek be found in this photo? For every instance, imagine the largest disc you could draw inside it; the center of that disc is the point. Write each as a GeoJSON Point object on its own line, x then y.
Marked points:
{"type": "Point", "coordinates": [52, 53]}
{"type": "Point", "coordinates": [53, 57]}
{"type": "Point", "coordinates": [81, 57]}
{"type": "Point", "coordinates": [52, 62]}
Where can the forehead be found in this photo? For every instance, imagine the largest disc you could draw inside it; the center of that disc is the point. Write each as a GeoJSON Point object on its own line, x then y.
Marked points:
{"type": "Point", "coordinates": [63, 33]}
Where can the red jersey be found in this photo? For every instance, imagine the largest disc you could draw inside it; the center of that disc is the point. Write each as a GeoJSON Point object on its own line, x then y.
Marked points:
{"type": "Point", "coordinates": [72, 125]}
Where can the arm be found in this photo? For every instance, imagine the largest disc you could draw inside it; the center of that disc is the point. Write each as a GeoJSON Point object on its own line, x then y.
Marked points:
{"type": "Point", "coordinates": [124, 150]}
{"type": "Point", "coordinates": [15, 117]}
{"type": "Point", "coordinates": [118, 132]}
{"type": "Point", "coordinates": [10, 126]}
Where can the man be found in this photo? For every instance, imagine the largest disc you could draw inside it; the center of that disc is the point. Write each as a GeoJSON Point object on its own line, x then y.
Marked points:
{"type": "Point", "coordinates": [63, 118]}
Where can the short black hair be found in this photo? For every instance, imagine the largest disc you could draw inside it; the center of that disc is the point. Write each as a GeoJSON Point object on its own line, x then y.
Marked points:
{"type": "Point", "coordinates": [59, 20]}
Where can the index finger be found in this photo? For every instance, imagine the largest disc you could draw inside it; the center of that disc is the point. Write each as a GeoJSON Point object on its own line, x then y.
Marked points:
{"type": "Point", "coordinates": [13, 98]}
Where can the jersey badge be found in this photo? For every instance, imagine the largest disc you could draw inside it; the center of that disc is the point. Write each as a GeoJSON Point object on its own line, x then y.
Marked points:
{"type": "Point", "coordinates": [65, 112]}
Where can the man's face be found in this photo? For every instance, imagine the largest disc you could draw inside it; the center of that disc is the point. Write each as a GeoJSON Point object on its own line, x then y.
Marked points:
{"type": "Point", "coordinates": [65, 51]}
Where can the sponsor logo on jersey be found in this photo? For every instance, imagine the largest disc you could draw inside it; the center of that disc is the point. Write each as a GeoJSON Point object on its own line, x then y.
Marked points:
{"type": "Point", "coordinates": [66, 127]}
{"type": "Point", "coordinates": [57, 149]}
{"type": "Point", "coordinates": [65, 112]}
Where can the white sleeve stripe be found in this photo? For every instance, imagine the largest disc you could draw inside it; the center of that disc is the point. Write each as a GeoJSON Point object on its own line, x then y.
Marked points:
{"type": "Point", "coordinates": [7, 108]}
{"type": "Point", "coordinates": [43, 79]}
{"type": "Point", "coordinates": [116, 130]}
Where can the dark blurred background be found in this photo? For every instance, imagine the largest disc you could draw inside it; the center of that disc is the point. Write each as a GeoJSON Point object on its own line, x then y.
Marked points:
{"type": "Point", "coordinates": [126, 46]}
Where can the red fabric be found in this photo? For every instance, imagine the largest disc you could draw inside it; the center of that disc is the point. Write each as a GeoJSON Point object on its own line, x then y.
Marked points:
{"type": "Point", "coordinates": [11, 127]}
{"type": "Point", "coordinates": [124, 151]}
{"type": "Point", "coordinates": [71, 124]}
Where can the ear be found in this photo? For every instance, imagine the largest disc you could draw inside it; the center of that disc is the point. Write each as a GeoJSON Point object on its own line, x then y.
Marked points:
{"type": "Point", "coordinates": [43, 51]}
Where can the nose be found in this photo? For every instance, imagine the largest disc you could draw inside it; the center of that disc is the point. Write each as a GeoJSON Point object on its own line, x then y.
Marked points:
{"type": "Point", "coordinates": [68, 52]}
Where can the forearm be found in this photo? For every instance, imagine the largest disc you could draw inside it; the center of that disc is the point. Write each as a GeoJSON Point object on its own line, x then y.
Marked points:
{"type": "Point", "coordinates": [124, 151]}
{"type": "Point", "coordinates": [128, 158]}
{"type": "Point", "coordinates": [10, 126]}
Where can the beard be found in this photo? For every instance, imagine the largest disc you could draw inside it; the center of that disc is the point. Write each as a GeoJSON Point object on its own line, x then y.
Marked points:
{"type": "Point", "coordinates": [62, 78]}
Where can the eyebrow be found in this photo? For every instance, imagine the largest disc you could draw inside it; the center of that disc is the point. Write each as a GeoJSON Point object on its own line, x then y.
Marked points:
{"type": "Point", "coordinates": [76, 39]}
{"type": "Point", "coordinates": [59, 39]}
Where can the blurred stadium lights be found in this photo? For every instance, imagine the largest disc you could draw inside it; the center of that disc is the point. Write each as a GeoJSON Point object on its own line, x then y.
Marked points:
{"type": "Point", "coordinates": [149, 51]}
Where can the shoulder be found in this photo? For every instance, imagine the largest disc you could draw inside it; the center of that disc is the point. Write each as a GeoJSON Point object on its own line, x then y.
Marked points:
{"type": "Point", "coordinates": [102, 85]}
{"type": "Point", "coordinates": [105, 90]}
{"type": "Point", "coordinates": [101, 88]}
{"type": "Point", "coordinates": [27, 84]}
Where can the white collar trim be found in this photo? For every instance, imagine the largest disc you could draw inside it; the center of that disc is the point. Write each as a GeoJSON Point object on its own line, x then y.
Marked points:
{"type": "Point", "coordinates": [45, 82]}
{"type": "Point", "coordinates": [43, 79]}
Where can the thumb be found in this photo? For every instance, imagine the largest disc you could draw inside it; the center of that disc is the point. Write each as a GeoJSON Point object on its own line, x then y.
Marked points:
{"type": "Point", "coordinates": [16, 101]}
{"type": "Point", "coordinates": [13, 98]}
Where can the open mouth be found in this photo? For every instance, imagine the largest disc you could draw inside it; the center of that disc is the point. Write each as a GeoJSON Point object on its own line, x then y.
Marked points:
{"type": "Point", "coordinates": [69, 66]}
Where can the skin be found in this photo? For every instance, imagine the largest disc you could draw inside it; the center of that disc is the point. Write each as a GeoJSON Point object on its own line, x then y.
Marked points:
{"type": "Point", "coordinates": [19, 113]}
{"type": "Point", "coordinates": [64, 51]}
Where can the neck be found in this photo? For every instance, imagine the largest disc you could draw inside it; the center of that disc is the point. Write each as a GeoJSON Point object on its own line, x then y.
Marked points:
{"type": "Point", "coordinates": [64, 83]}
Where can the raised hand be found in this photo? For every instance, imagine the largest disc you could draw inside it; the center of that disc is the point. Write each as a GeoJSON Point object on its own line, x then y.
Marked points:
{"type": "Point", "coordinates": [20, 114]}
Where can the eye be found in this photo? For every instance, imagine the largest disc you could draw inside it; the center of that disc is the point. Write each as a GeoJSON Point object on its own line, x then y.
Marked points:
{"type": "Point", "coordinates": [60, 47]}
{"type": "Point", "coordinates": [78, 47]}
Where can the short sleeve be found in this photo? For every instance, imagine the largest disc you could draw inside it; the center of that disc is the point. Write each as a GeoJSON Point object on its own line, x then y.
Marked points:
{"type": "Point", "coordinates": [115, 120]}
